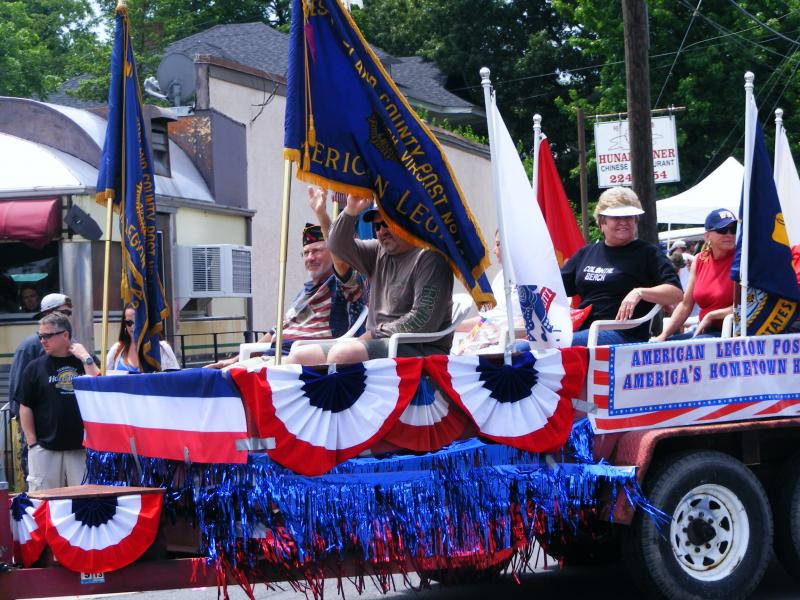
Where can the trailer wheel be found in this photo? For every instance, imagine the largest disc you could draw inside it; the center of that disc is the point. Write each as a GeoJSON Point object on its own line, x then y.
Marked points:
{"type": "Point", "coordinates": [718, 541]}
{"type": "Point", "coordinates": [787, 518]}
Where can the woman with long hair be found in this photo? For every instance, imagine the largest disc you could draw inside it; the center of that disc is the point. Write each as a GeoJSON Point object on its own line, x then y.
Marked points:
{"type": "Point", "coordinates": [710, 285]}
{"type": "Point", "coordinates": [123, 355]}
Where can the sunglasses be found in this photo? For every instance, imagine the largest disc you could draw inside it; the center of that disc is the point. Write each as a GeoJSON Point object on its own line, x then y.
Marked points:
{"type": "Point", "coordinates": [128, 323]}
{"type": "Point", "coordinates": [378, 225]}
{"type": "Point", "coordinates": [47, 336]}
{"type": "Point", "coordinates": [723, 230]}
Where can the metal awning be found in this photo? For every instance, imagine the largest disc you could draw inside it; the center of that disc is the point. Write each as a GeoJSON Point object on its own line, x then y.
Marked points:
{"type": "Point", "coordinates": [34, 222]}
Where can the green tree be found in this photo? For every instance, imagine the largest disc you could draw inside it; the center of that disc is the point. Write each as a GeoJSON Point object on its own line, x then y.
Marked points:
{"type": "Point", "coordinates": [706, 76]}
{"type": "Point", "coordinates": [40, 43]}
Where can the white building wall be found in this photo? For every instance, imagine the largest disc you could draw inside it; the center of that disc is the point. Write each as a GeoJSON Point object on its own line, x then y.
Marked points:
{"type": "Point", "coordinates": [265, 183]}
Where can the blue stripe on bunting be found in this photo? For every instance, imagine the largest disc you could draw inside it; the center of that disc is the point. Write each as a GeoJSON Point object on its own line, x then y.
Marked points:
{"type": "Point", "coordinates": [188, 383]}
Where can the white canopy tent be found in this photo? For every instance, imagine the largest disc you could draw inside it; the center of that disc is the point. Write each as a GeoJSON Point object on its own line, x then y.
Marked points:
{"type": "Point", "coordinates": [721, 189]}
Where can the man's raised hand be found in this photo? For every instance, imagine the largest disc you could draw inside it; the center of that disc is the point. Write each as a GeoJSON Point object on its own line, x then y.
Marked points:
{"type": "Point", "coordinates": [356, 205]}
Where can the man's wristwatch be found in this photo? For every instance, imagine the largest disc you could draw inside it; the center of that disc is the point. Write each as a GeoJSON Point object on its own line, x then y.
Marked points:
{"type": "Point", "coordinates": [88, 360]}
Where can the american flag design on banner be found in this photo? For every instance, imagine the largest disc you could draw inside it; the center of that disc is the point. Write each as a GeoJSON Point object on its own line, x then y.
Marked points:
{"type": "Point", "coordinates": [194, 414]}
{"type": "Point", "coordinates": [525, 405]}
{"type": "Point", "coordinates": [28, 538]}
{"type": "Point", "coordinates": [700, 382]}
{"type": "Point", "coordinates": [430, 421]}
{"type": "Point", "coordinates": [101, 534]}
{"type": "Point", "coordinates": [320, 419]}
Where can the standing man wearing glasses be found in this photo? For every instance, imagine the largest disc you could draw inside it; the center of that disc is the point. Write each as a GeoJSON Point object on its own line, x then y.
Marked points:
{"type": "Point", "coordinates": [48, 409]}
{"type": "Point", "coordinates": [29, 349]}
{"type": "Point", "coordinates": [333, 297]}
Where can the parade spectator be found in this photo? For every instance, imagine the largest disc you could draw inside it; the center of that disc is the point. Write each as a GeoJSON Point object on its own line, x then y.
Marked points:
{"type": "Point", "coordinates": [680, 256]}
{"type": "Point", "coordinates": [410, 291]}
{"type": "Point", "coordinates": [48, 410]}
{"type": "Point", "coordinates": [621, 277]}
{"type": "Point", "coordinates": [710, 285]}
{"type": "Point", "coordinates": [29, 298]}
{"type": "Point", "coordinates": [29, 349]}
{"type": "Point", "coordinates": [123, 356]}
{"type": "Point", "coordinates": [333, 298]}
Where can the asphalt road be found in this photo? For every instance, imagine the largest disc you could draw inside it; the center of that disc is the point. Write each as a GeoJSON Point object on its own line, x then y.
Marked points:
{"type": "Point", "coordinates": [599, 583]}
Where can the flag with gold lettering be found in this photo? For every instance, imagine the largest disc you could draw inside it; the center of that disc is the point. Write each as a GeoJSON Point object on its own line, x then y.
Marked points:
{"type": "Point", "coordinates": [126, 178]}
{"type": "Point", "coordinates": [350, 129]}
{"type": "Point", "coordinates": [773, 293]}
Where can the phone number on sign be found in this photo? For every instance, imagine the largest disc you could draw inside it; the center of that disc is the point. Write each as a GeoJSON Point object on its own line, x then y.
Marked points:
{"type": "Point", "coordinates": [627, 178]}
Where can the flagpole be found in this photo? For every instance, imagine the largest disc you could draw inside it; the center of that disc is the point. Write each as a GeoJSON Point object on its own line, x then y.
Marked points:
{"type": "Point", "coordinates": [778, 131]}
{"type": "Point", "coordinates": [537, 140]}
{"type": "Point", "coordinates": [284, 251]}
{"type": "Point", "coordinates": [748, 168]}
{"type": "Point", "coordinates": [504, 252]}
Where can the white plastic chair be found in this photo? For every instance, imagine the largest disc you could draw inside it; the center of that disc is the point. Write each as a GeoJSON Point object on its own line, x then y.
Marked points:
{"type": "Point", "coordinates": [247, 350]}
{"type": "Point", "coordinates": [727, 326]}
{"type": "Point", "coordinates": [597, 326]}
{"type": "Point", "coordinates": [462, 304]}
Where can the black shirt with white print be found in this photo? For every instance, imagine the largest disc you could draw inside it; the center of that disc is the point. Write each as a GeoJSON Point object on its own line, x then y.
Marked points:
{"type": "Point", "coordinates": [603, 275]}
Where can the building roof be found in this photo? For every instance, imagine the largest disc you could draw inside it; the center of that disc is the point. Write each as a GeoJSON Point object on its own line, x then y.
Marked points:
{"type": "Point", "coordinates": [63, 98]}
{"type": "Point", "coordinates": [261, 47]}
{"type": "Point", "coordinates": [35, 165]}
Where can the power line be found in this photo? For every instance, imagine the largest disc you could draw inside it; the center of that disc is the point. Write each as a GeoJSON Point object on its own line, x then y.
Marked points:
{"type": "Point", "coordinates": [678, 53]}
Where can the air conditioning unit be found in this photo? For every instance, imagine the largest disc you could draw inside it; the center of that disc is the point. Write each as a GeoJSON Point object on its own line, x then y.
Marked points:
{"type": "Point", "coordinates": [214, 271]}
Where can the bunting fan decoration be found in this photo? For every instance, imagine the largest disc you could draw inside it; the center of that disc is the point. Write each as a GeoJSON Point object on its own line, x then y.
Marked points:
{"type": "Point", "coordinates": [29, 540]}
{"type": "Point", "coordinates": [526, 405]}
{"type": "Point", "coordinates": [318, 419]}
{"type": "Point", "coordinates": [101, 534]}
{"type": "Point", "coordinates": [430, 421]}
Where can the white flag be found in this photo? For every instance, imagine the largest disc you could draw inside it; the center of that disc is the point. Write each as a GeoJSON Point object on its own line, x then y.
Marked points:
{"type": "Point", "coordinates": [534, 269]}
{"type": "Point", "coordinates": [788, 184]}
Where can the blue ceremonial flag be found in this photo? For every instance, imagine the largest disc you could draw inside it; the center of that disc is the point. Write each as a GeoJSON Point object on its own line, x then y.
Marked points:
{"type": "Point", "coordinates": [350, 129]}
{"type": "Point", "coordinates": [773, 293]}
{"type": "Point", "coordinates": [126, 178]}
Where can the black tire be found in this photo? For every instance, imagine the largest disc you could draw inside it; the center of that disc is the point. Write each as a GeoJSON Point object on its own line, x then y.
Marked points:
{"type": "Point", "coordinates": [726, 545]}
{"type": "Point", "coordinates": [787, 518]}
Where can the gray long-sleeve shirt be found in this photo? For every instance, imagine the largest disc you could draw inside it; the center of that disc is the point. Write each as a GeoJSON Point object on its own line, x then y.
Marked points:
{"type": "Point", "coordinates": [409, 293]}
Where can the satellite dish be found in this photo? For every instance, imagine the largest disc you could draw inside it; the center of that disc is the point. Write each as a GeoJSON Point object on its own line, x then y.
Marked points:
{"type": "Point", "coordinates": [176, 77]}
{"type": "Point", "coordinates": [82, 224]}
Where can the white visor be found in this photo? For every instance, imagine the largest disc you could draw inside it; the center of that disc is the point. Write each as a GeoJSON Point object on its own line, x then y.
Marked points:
{"type": "Point", "coordinates": [622, 211]}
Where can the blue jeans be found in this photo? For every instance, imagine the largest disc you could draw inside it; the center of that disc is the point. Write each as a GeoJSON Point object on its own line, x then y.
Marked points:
{"type": "Point", "coordinates": [605, 337]}
{"type": "Point", "coordinates": [708, 333]}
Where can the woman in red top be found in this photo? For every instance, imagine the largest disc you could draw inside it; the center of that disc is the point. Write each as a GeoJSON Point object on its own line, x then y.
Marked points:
{"type": "Point", "coordinates": [710, 284]}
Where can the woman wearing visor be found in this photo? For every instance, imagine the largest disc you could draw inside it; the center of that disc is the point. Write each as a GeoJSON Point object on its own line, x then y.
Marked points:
{"type": "Point", "coordinates": [621, 277]}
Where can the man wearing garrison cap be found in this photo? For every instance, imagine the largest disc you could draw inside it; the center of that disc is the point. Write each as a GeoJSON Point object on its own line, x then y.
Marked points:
{"type": "Point", "coordinates": [333, 297]}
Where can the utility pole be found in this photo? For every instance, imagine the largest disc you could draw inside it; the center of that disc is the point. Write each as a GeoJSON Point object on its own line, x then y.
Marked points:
{"type": "Point", "coordinates": [640, 135]}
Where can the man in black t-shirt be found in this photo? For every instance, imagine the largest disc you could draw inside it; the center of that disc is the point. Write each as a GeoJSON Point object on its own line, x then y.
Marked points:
{"type": "Point", "coordinates": [48, 409]}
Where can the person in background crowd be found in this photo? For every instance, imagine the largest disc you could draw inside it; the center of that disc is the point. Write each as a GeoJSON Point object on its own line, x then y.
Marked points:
{"type": "Point", "coordinates": [710, 285]}
{"type": "Point", "coordinates": [29, 349]}
{"type": "Point", "coordinates": [333, 298]}
{"type": "Point", "coordinates": [621, 277]}
{"type": "Point", "coordinates": [29, 298]}
{"type": "Point", "coordinates": [123, 355]}
{"type": "Point", "coordinates": [48, 410]}
{"type": "Point", "coordinates": [676, 251]}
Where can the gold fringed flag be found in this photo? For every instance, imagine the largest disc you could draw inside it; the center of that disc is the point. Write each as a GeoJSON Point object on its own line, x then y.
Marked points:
{"type": "Point", "coordinates": [126, 178]}
{"type": "Point", "coordinates": [350, 129]}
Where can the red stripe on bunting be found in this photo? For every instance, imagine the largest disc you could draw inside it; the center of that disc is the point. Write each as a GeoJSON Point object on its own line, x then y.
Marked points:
{"type": "Point", "coordinates": [29, 552]}
{"type": "Point", "coordinates": [203, 446]}
{"type": "Point", "coordinates": [111, 558]}
{"type": "Point", "coordinates": [301, 456]}
{"type": "Point", "coordinates": [554, 432]}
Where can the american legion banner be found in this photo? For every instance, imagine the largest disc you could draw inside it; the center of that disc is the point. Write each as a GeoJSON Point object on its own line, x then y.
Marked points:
{"type": "Point", "coordinates": [696, 382]}
{"type": "Point", "coordinates": [349, 129]}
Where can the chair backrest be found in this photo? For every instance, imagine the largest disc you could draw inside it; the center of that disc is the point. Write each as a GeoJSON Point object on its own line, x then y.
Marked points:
{"type": "Point", "coordinates": [594, 328]}
{"type": "Point", "coordinates": [358, 323]}
{"type": "Point", "coordinates": [462, 304]}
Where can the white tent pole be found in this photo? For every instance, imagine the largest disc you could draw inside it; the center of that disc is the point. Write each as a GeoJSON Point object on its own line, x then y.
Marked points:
{"type": "Point", "coordinates": [537, 140]}
{"type": "Point", "coordinates": [507, 267]}
{"type": "Point", "coordinates": [778, 131]}
{"type": "Point", "coordinates": [749, 130]}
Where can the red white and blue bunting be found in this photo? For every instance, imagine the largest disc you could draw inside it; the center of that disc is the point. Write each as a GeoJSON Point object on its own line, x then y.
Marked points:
{"type": "Point", "coordinates": [319, 420]}
{"type": "Point", "coordinates": [525, 405]}
{"type": "Point", "coordinates": [430, 421]}
{"type": "Point", "coordinates": [100, 534]}
{"type": "Point", "coordinates": [27, 536]}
